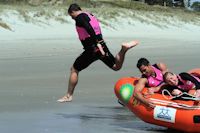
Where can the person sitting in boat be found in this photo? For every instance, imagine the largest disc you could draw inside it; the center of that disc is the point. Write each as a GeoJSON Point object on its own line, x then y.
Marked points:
{"type": "Point", "coordinates": [182, 82]}
{"type": "Point", "coordinates": [152, 77]}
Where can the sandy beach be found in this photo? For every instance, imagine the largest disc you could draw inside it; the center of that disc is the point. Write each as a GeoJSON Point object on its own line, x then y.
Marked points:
{"type": "Point", "coordinates": [35, 64]}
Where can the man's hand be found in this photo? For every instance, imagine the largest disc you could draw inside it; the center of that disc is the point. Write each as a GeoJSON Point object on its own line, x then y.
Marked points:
{"type": "Point", "coordinates": [176, 92]}
{"type": "Point", "coordinates": [151, 90]}
{"type": "Point", "coordinates": [101, 49]}
{"type": "Point", "coordinates": [151, 104]}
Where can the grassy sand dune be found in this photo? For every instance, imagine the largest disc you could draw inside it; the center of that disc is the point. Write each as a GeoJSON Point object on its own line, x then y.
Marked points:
{"type": "Point", "coordinates": [4, 25]}
{"type": "Point", "coordinates": [107, 11]}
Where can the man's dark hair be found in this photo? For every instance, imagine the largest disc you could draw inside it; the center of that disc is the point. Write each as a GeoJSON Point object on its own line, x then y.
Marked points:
{"type": "Point", "coordinates": [73, 7]}
{"type": "Point", "coordinates": [142, 61]}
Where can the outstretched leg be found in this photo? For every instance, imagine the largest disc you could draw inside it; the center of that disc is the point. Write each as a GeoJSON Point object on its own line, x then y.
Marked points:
{"type": "Point", "coordinates": [73, 80]}
{"type": "Point", "coordinates": [119, 59]}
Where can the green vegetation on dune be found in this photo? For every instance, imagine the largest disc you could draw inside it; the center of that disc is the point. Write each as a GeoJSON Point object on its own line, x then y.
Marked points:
{"type": "Point", "coordinates": [106, 11]}
{"type": "Point", "coordinates": [5, 26]}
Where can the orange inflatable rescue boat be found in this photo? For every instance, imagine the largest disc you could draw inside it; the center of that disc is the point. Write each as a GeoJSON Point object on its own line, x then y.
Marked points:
{"type": "Point", "coordinates": [183, 115]}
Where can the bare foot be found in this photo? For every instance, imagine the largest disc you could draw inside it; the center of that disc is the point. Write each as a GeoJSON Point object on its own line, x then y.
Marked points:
{"type": "Point", "coordinates": [65, 99]}
{"type": "Point", "coordinates": [129, 45]}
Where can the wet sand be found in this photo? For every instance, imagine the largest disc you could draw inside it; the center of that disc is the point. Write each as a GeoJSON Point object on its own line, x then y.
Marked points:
{"type": "Point", "coordinates": [34, 74]}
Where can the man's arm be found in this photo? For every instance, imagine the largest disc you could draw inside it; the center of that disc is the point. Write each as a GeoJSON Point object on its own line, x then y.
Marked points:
{"type": "Point", "coordinates": [162, 67]}
{"type": "Point", "coordinates": [154, 89]}
{"type": "Point", "coordinates": [138, 92]}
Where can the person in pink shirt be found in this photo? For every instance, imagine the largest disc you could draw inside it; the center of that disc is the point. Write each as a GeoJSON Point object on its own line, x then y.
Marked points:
{"type": "Point", "coordinates": [152, 77]}
{"type": "Point", "coordinates": [182, 82]}
{"type": "Point", "coordinates": [95, 48]}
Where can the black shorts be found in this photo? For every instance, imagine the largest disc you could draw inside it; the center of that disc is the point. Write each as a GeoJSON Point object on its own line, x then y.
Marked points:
{"type": "Point", "coordinates": [91, 55]}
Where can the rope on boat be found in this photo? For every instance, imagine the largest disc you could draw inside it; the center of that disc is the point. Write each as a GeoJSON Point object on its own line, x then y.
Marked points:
{"type": "Point", "coordinates": [183, 95]}
{"type": "Point", "coordinates": [174, 104]}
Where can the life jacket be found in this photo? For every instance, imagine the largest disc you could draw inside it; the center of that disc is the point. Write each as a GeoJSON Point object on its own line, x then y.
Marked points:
{"type": "Point", "coordinates": [187, 85]}
{"type": "Point", "coordinates": [155, 81]}
{"type": "Point", "coordinates": [83, 34]}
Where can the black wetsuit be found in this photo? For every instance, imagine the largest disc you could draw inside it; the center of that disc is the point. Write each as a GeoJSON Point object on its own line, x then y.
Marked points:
{"type": "Point", "coordinates": [91, 52]}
